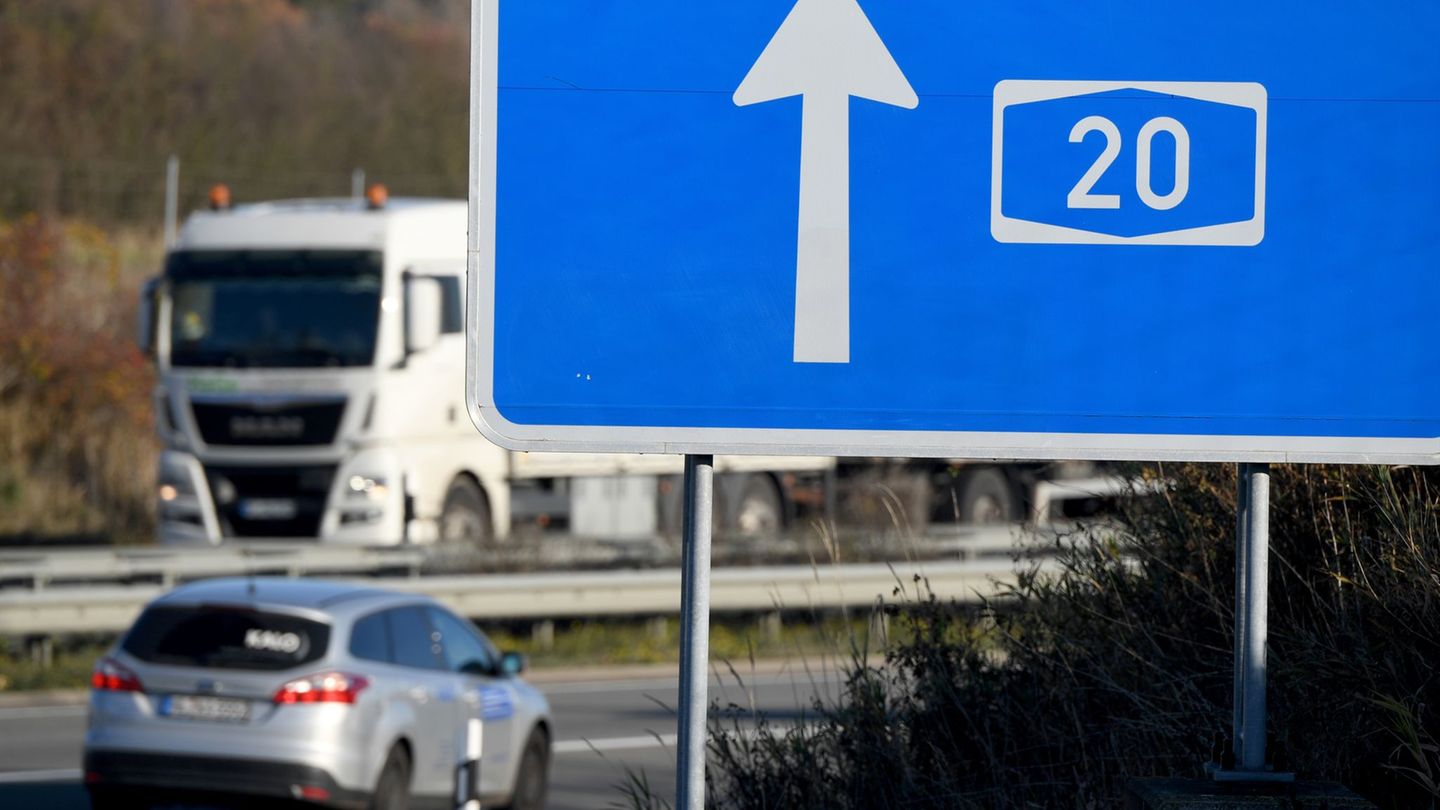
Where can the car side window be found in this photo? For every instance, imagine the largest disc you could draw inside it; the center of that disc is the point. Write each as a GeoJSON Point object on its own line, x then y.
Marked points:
{"type": "Point", "coordinates": [464, 648]}
{"type": "Point", "coordinates": [370, 639]}
{"type": "Point", "coordinates": [415, 642]}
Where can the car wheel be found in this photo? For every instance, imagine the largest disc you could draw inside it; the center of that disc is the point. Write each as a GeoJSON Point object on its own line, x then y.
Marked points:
{"type": "Point", "coordinates": [533, 779]}
{"type": "Point", "coordinates": [986, 498]}
{"type": "Point", "coordinates": [392, 791]}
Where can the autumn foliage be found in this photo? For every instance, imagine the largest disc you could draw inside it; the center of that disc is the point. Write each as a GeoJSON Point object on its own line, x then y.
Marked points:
{"type": "Point", "coordinates": [76, 447]}
{"type": "Point", "coordinates": [277, 98]}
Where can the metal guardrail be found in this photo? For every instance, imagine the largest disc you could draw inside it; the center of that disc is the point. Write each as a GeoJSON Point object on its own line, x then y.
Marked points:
{"type": "Point", "coordinates": [37, 569]}
{"type": "Point", "coordinates": [111, 609]}
{"type": "Point", "coordinates": [169, 566]}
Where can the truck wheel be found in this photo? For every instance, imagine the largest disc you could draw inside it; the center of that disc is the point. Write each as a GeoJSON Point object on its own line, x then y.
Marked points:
{"type": "Point", "coordinates": [986, 498]}
{"type": "Point", "coordinates": [671, 508]}
{"type": "Point", "coordinates": [760, 512]}
{"type": "Point", "coordinates": [465, 517]}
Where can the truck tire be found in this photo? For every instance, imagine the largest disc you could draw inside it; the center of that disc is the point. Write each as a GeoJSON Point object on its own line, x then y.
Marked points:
{"type": "Point", "coordinates": [760, 511]}
{"type": "Point", "coordinates": [465, 517]}
{"type": "Point", "coordinates": [986, 498]}
{"type": "Point", "coordinates": [670, 504]}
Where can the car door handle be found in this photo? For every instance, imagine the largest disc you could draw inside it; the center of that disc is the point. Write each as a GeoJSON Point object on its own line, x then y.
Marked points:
{"type": "Point", "coordinates": [420, 694]}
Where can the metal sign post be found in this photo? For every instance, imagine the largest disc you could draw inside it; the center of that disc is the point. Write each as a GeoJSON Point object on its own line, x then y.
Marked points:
{"type": "Point", "coordinates": [694, 631]}
{"type": "Point", "coordinates": [1252, 601]}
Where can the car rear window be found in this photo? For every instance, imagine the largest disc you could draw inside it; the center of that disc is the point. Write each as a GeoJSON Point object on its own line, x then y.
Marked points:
{"type": "Point", "coordinates": [226, 638]}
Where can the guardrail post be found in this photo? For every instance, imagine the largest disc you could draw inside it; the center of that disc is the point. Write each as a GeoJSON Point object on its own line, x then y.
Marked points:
{"type": "Point", "coordinates": [772, 625]}
{"type": "Point", "coordinates": [699, 499]}
{"type": "Point", "coordinates": [879, 630]}
{"type": "Point", "coordinates": [41, 650]}
{"type": "Point", "coordinates": [542, 634]}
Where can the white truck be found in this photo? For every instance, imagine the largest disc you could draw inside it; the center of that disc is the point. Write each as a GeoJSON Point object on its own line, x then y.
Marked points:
{"type": "Point", "coordinates": [311, 359]}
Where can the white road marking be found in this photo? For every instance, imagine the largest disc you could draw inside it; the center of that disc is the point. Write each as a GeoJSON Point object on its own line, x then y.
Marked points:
{"type": "Point", "coordinates": [643, 741]}
{"type": "Point", "coordinates": [40, 712]}
{"type": "Point", "coordinates": [21, 777]}
{"type": "Point", "coordinates": [614, 744]}
{"type": "Point", "coordinates": [725, 681]}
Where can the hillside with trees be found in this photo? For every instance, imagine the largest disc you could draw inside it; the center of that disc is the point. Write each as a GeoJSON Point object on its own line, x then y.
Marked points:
{"type": "Point", "coordinates": [276, 98]}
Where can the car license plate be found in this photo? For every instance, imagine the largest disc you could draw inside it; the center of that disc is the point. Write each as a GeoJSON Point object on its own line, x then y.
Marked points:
{"type": "Point", "coordinates": [200, 707]}
{"type": "Point", "coordinates": [268, 509]}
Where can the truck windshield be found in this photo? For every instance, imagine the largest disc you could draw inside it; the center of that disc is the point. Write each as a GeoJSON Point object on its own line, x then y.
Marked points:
{"type": "Point", "coordinates": [271, 309]}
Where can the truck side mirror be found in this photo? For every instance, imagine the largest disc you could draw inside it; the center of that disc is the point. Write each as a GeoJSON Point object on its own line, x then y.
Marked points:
{"type": "Point", "coordinates": [146, 336]}
{"type": "Point", "coordinates": [422, 313]}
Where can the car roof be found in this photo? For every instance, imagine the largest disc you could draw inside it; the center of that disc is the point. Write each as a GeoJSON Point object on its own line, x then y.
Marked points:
{"type": "Point", "coordinates": [333, 598]}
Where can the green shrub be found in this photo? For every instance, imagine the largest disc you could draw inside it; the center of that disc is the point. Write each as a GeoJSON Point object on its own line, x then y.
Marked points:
{"type": "Point", "coordinates": [1121, 667]}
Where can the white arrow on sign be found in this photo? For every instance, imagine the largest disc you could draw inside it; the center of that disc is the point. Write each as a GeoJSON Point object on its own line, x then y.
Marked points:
{"type": "Point", "coordinates": [825, 51]}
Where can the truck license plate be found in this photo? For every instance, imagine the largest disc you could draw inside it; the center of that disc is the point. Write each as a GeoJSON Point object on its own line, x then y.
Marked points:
{"type": "Point", "coordinates": [267, 509]}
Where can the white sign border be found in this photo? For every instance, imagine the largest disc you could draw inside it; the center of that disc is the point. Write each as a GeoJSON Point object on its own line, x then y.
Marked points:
{"type": "Point", "coordinates": [742, 441]}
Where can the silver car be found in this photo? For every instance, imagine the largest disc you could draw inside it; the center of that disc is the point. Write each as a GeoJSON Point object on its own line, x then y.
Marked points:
{"type": "Point", "coordinates": [339, 695]}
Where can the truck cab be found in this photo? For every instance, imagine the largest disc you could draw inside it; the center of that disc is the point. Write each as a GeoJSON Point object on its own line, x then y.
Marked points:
{"type": "Point", "coordinates": [311, 359]}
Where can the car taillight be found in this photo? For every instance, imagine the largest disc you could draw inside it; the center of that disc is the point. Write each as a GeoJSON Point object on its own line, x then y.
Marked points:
{"type": "Point", "coordinates": [327, 687]}
{"type": "Point", "coordinates": [111, 676]}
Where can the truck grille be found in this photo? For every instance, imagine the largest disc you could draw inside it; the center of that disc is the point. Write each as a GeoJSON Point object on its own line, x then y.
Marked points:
{"type": "Point", "coordinates": [282, 424]}
{"type": "Point", "coordinates": [270, 501]}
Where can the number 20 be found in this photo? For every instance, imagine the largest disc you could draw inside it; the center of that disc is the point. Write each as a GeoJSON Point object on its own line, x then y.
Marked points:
{"type": "Point", "coordinates": [1080, 196]}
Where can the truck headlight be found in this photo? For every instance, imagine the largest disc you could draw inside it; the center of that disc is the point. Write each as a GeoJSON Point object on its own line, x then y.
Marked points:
{"type": "Point", "coordinates": [369, 488]}
{"type": "Point", "coordinates": [176, 491]}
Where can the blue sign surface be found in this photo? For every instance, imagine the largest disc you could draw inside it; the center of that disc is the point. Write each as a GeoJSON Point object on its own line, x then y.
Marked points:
{"type": "Point", "coordinates": [1112, 229]}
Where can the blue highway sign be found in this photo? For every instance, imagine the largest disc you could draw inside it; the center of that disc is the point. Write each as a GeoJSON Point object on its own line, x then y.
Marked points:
{"type": "Point", "coordinates": [1116, 229]}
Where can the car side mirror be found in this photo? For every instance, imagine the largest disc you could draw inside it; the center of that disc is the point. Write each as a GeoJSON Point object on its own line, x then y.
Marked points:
{"type": "Point", "coordinates": [512, 663]}
{"type": "Point", "coordinates": [422, 313]}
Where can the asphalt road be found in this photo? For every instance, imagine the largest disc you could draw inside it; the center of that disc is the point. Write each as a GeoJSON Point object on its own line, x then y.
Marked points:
{"type": "Point", "coordinates": [603, 729]}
